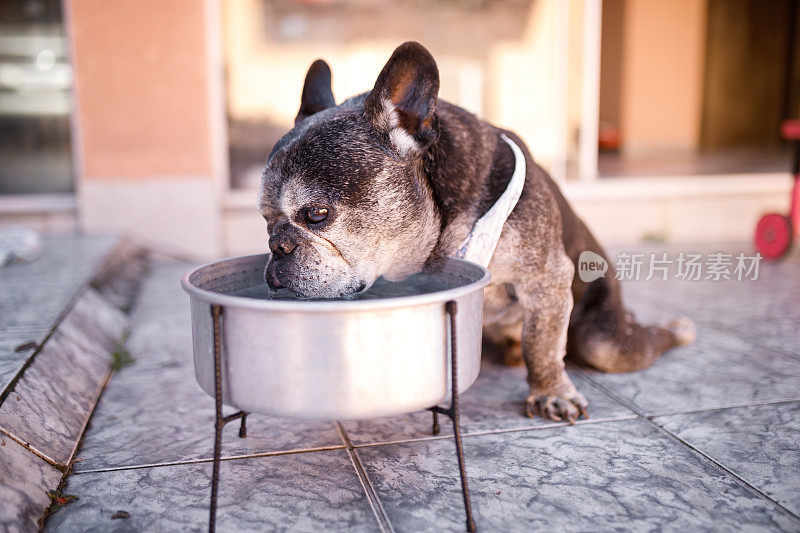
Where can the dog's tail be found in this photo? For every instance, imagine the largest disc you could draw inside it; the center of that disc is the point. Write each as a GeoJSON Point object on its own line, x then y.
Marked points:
{"type": "Point", "coordinates": [605, 336]}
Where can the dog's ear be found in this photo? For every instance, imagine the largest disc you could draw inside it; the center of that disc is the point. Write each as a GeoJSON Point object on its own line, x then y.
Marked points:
{"type": "Point", "coordinates": [317, 91]}
{"type": "Point", "coordinates": [403, 102]}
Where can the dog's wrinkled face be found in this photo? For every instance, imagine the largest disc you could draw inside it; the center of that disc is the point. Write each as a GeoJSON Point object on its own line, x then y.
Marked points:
{"type": "Point", "coordinates": [343, 193]}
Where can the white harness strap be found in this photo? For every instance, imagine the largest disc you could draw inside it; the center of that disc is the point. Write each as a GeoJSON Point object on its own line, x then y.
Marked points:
{"type": "Point", "coordinates": [481, 242]}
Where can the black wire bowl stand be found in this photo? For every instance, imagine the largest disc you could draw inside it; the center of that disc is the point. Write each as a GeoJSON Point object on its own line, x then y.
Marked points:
{"type": "Point", "coordinates": [451, 412]}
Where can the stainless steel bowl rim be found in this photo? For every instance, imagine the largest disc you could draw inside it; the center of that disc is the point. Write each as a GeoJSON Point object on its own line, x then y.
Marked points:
{"type": "Point", "coordinates": [328, 306]}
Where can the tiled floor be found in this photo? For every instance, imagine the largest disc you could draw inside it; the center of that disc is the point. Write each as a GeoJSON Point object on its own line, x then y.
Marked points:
{"type": "Point", "coordinates": [57, 336]}
{"type": "Point", "coordinates": [706, 439]}
{"type": "Point", "coordinates": [35, 294]}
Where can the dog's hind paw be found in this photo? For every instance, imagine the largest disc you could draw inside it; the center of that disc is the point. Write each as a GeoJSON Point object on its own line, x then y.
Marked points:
{"type": "Point", "coordinates": [557, 408]}
{"type": "Point", "coordinates": [512, 354]}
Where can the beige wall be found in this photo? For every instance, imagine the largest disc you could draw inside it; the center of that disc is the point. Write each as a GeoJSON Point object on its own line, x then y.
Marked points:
{"type": "Point", "coordinates": [143, 117]}
{"type": "Point", "coordinates": [269, 46]}
{"type": "Point", "coordinates": [686, 209]}
{"type": "Point", "coordinates": [505, 61]}
{"type": "Point", "coordinates": [662, 74]}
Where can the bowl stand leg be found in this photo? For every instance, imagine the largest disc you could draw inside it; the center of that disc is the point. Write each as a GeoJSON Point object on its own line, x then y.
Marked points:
{"type": "Point", "coordinates": [220, 421]}
{"type": "Point", "coordinates": [454, 414]}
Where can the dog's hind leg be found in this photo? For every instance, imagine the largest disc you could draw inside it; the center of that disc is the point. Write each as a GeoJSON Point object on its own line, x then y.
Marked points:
{"type": "Point", "coordinates": [606, 337]}
{"type": "Point", "coordinates": [502, 323]}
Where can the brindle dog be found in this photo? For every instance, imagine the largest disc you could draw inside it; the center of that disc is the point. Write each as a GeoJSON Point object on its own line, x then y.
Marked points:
{"type": "Point", "coordinates": [390, 180]}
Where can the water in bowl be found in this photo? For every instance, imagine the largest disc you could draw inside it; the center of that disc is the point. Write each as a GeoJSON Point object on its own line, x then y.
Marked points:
{"type": "Point", "coordinates": [422, 283]}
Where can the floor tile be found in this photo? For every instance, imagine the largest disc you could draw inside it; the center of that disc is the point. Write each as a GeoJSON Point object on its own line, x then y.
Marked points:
{"type": "Point", "coordinates": [120, 277]}
{"type": "Point", "coordinates": [161, 332]}
{"type": "Point", "coordinates": [782, 335]}
{"type": "Point", "coordinates": [154, 412]}
{"type": "Point", "coordinates": [163, 341]}
{"type": "Point", "coordinates": [722, 300]}
{"type": "Point", "coordinates": [95, 323]}
{"type": "Point", "coordinates": [11, 359]}
{"type": "Point", "coordinates": [34, 306]}
{"type": "Point", "coordinates": [160, 416]}
{"type": "Point", "coordinates": [494, 402]}
{"type": "Point", "coordinates": [624, 475]}
{"type": "Point", "coordinates": [24, 482]}
{"type": "Point", "coordinates": [162, 288]}
{"type": "Point", "coordinates": [53, 399]}
{"type": "Point", "coordinates": [761, 444]}
{"type": "Point", "coordinates": [614, 472]}
{"type": "Point", "coordinates": [316, 491]}
{"type": "Point", "coordinates": [718, 370]}
{"type": "Point", "coordinates": [68, 256]}
{"type": "Point", "coordinates": [36, 293]}
{"type": "Point", "coordinates": [764, 311]}
{"type": "Point", "coordinates": [768, 317]}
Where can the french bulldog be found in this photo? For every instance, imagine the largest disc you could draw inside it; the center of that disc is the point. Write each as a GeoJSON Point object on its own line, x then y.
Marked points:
{"type": "Point", "coordinates": [390, 180]}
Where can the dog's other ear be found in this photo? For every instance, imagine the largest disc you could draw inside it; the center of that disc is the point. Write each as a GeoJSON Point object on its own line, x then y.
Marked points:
{"type": "Point", "coordinates": [317, 92]}
{"type": "Point", "coordinates": [403, 102]}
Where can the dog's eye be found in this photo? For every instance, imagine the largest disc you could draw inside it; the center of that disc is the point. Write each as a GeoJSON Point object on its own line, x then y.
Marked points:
{"type": "Point", "coordinates": [315, 215]}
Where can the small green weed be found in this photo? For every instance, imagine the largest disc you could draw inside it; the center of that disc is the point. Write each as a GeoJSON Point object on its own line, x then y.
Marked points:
{"type": "Point", "coordinates": [58, 500]}
{"type": "Point", "coordinates": [120, 359]}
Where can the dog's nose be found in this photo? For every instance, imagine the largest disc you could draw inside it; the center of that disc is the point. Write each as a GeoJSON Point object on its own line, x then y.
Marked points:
{"type": "Point", "coordinates": [281, 245]}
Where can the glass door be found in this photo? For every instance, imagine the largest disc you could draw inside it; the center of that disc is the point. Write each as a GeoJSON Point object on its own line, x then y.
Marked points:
{"type": "Point", "coordinates": [35, 99]}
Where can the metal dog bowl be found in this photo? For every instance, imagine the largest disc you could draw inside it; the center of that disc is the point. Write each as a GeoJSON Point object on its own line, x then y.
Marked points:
{"type": "Point", "coordinates": [334, 359]}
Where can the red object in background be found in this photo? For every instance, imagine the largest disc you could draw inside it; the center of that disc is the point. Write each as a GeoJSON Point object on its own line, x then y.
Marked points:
{"type": "Point", "coordinates": [609, 137]}
{"type": "Point", "coordinates": [790, 130]}
{"type": "Point", "coordinates": [773, 235]}
{"type": "Point", "coordinates": [774, 231]}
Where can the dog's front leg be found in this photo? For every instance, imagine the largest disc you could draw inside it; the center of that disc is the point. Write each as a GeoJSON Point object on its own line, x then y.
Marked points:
{"type": "Point", "coordinates": [546, 299]}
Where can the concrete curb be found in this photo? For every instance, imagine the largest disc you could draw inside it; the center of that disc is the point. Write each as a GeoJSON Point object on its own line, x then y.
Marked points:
{"type": "Point", "coordinates": [46, 407]}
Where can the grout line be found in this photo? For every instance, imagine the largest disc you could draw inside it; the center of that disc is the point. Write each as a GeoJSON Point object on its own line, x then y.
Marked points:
{"type": "Point", "coordinates": [344, 446]}
{"type": "Point", "coordinates": [579, 371]}
{"type": "Point", "coordinates": [209, 460]}
{"type": "Point", "coordinates": [780, 351]}
{"type": "Point", "coordinates": [497, 431]}
{"type": "Point", "coordinates": [697, 451]}
{"type": "Point", "coordinates": [649, 414]}
{"type": "Point", "coordinates": [366, 484]}
{"type": "Point", "coordinates": [757, 341]}
{"type": "Point", "coordinates": [728, 471]}
{"type": "Point", "coordinates": [735, 332]}
{"type": "Point", "coordinates": [82, 432]}
{"type": "Point", "coordinates": [12, 383]}
{"type": "Point", "coordinates": [67, 472]}
{"type": "Point", "coordinates": [721, 407]}
{"type": "Point", "coordinates": [38, 453]}
{"type": "Point", "coordinates": [43, 455]}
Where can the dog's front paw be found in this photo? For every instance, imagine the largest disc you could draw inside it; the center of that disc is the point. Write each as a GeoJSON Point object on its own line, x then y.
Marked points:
{"type": "Point", "coordinates": [557, 408]}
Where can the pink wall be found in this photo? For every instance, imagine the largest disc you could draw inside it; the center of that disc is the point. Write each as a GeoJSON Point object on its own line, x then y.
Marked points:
{"type": "Point", "coordinates": [141, 83]}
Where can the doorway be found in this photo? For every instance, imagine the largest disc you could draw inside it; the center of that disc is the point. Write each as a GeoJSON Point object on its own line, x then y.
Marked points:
{"type": "Point", "coordinates": [751, 74]}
